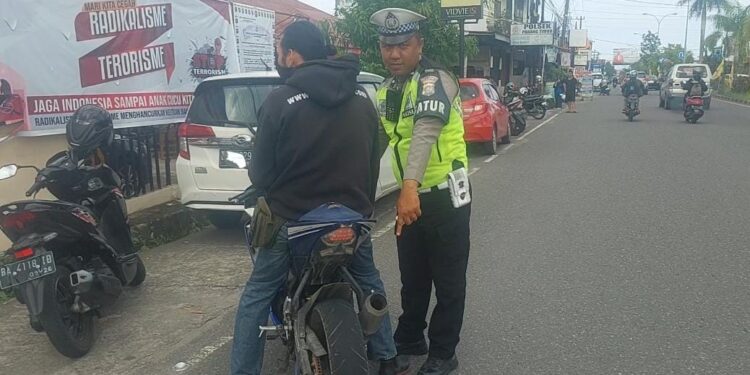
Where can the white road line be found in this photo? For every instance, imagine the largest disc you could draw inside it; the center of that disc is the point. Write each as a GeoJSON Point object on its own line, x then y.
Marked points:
{"type": "Point", "coordinates": [387, 228]}
{"type": "Point", "coordinates": [539, 126]}
{"type": "Point", "coordinates": [737, 104]}
{"type": "Point", "coordinates": [473, 170]}
{"type": "Point", "coordinates": [491, 158]}
{"type": "Point", "coordinates": [202, 354]}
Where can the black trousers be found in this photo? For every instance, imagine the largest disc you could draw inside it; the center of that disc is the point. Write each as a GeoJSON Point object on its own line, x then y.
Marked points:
{"type": "Point", "coordinates": [434, 250]}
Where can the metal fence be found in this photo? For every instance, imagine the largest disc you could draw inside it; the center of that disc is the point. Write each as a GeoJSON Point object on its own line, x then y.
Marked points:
{"type": "Point", "coordinates": [144, 157]}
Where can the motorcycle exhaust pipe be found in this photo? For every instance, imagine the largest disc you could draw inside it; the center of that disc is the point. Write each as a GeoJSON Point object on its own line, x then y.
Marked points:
{"type": "Point", "coordinates": [94, 290]}
{"type": "Point", "coordinates": [372, 312]}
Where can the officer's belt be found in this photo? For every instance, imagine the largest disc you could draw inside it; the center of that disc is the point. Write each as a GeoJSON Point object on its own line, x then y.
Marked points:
{"type": "Point", "coordinates": [433, 189]}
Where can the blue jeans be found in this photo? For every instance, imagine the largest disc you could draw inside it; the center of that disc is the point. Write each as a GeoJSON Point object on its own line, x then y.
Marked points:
{"type": "Point", "coordinates": [269, 275]}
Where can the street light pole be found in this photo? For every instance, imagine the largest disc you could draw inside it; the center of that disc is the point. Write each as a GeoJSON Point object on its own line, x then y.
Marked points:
{"type": "Point", "coordinates": [658, 20]}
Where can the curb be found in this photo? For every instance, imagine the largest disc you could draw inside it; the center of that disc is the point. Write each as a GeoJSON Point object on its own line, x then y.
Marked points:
{"type": "Point", "coordinates": [164, 223]}
{"type": "Point", "coordinates": [726, 98]}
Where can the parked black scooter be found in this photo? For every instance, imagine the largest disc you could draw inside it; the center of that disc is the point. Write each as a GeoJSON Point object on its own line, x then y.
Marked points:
{"type": "Point", "coordinates": [72, 256]}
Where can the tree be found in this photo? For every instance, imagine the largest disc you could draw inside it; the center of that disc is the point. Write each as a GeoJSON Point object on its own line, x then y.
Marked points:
{"type": "Point", "coordinates": [609, 69]}
{"type": "Point", "coordinates": [650, 52]}
{"type": "Point", "coordinates": [733, 26]}
{"type": "Point", "coordinates": [441, 39]}
{"type": "Point", "coordinates": [700, 8]}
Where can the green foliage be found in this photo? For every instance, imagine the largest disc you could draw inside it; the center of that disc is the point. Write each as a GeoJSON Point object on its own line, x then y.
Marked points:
{"type": "Point", "coordinates": [609, 70]}
{"type": "Point", "coordinates": [741, 84]}
{"type": "Point", "coordinates": [650, 53]}
{"type": "Point", "coordinates": [441, 38]}
{"type": "Point", "coordinates": [552, 73]}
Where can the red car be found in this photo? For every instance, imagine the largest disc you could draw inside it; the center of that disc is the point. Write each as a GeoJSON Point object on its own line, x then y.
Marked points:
{"type": "Point", "coordinates": [486, 119]}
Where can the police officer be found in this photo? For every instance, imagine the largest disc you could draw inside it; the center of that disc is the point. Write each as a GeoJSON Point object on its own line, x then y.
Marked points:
{"type": "Point", "coordinates": [420, 110]}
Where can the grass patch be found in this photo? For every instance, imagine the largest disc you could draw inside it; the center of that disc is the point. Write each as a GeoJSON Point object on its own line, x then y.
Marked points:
{"type": "Point", "coordinates": [738, 96]}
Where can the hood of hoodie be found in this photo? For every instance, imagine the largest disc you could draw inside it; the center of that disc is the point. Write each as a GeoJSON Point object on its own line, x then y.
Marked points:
{"type": "Point", "coordinates": [327, 82]}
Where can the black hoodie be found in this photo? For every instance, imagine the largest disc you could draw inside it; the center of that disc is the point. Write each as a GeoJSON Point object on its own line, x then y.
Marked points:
{"type": "Point", "coordinates": [317, 141]}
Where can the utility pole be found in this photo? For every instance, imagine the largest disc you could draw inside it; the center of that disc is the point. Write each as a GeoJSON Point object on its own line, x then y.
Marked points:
{"type": "Point", "coordinates": [543, 1]}
{"type": "Point", "coordinates": [579, 25]}
{"type": "Point", "coordinates": [687, 22]}
{"type": "Point", "coordinates": [565, 21]}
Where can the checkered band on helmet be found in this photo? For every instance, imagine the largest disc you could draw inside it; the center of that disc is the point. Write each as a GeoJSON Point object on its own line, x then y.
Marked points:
{"type": "Point", "coordinates": [402, 29]}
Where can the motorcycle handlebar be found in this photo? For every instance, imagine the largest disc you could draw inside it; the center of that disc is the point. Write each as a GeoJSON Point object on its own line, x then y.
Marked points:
{"type": "Point", "coordinates": [34, 188]}
{"type": "Point", "coordinates": [245, 196]}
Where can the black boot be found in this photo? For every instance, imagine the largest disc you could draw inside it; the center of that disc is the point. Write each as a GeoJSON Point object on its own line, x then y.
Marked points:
{"type": "Point", "coordinates": [437, 366]}
{"type": "Point", "coordinates": [412, 348]}
{"type": "Point", "coordinates": [394, 366]}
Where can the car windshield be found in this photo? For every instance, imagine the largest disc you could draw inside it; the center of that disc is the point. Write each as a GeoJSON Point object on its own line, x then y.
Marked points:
{"type": "Point", "coordinates": [641, 75]}
{"type": "Point", "coordinates": [687, 71]}
{"type": "Point", "coordinates": [468, 92]}
{"type": "Point", "coordinates": [597, 76]}
{"type": "Point", "coordinates": [219, 104]}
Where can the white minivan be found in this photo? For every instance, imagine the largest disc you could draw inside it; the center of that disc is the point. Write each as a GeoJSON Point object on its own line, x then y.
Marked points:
{"type": "Point", "coordinates": [215, 142]}
{"type": "Point", "coordinates": [672, 93]}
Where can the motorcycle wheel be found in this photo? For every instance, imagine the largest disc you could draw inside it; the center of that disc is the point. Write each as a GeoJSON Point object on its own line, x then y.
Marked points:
{"type": "Point", "coordinates": [140, 274]}
{"type": "Point", "coordinates": [71, 333]}
{"type": "Point", "coordinates": [539, 112]}
{"type": "Point", "coordinates": [630, 117]}
{"type": "Point", "coordinates": [337, 327]}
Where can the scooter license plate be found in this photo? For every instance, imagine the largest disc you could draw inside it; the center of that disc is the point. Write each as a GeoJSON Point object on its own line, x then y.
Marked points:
{"type": "Point", "coordinates": [26, 270]}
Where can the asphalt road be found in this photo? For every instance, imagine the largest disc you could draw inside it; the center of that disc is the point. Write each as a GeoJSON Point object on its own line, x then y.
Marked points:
{"type": "Point", "coordinates": [599, 246]}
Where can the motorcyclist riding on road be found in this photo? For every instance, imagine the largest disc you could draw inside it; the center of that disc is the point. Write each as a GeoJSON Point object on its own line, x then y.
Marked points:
{"type": "Point", "coordinates": [632, 86]}
{"type": "Point", "coordinates": [695, 83]}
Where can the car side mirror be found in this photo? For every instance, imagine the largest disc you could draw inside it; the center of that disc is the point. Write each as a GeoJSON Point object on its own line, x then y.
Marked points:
{"type": "Point", "coordinates": [8, 171]}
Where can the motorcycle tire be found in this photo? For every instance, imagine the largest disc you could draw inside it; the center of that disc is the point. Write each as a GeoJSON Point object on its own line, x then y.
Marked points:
{"type": "Point", "coordinates": [630, 117]}
{"type": "Point", "coordinates": [539, 112]}
{"type": "Point", "coordinates": [71, 333]}
{"type": "Point", "coordinates": [140, 274]}
{"type": "Point", "coordinates": [339, 331]}
{"type": "Point", "coordinates": [505, 140]}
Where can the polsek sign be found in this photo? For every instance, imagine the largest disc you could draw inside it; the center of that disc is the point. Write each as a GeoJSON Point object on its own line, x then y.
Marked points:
{"type": "Point", "coordinates": [139, 59]}
{"type": "Point", "coordinates": [532, 34]}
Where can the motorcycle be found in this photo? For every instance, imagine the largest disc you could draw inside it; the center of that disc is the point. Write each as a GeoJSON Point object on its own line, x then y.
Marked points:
{"type": "Point", "coordinates": [604, 90]}
{"type": "Point", "coordinates": [73, 255]}
{"type": "Point", "coordinates": [631, 108]}
{"type": "Point", "coordinates": [517, 114]}
{"type": "Point", "coordinates": [693, 109]}
{"type": "Point", "coordinates": [534, 105]}
{"type": "Point", "coordinates": [322, 315]}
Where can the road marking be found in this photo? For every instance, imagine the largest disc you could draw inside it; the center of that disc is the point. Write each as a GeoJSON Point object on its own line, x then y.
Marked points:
{"type": "Point", "coordinates": [491, 158]}
{"type": "Point", "coordinates": [387, 228]}
{"type": "Point", "coordinates": [473, 170]}
{"type": "Point", "coordinates": [538, 126]}
{"type": "Point", "coordinates": [737, 104]}
{"type": "Point", "coordinates": [202, 354]}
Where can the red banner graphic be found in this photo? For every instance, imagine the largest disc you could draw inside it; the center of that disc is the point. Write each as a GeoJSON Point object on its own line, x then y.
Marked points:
{"type": "Point", "coordinates": [128, 53]}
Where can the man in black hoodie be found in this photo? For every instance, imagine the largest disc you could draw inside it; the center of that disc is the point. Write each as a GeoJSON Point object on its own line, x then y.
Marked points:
{"type": "Point", "coordinates": [316, 143]}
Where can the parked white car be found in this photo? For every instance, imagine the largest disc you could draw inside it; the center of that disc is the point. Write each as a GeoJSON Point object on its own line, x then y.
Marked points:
{"type": "Point", "coordinates": [672, 93]}
{"type": "Point", "coordinates": [215, 142]}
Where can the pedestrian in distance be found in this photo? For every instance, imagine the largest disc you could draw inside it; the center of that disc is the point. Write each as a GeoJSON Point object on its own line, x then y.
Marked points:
{"type": "Point", "coordinates": [571, 89]}
{"type": "Point", "coordinates": [420, 112]}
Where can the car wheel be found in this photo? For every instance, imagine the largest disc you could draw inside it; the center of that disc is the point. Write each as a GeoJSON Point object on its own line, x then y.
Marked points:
{"type": "Point", "coordinates": [491, 147]}
{"type": "Point", "coordinates": [225, 219]}
{"type": "Point", "coordinates": [505, 140]}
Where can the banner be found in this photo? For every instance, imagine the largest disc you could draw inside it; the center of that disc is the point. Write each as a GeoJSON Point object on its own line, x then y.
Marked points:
{"type": "Point", "coordinates": [139, 59]}
{"type": "Point", "coordinates": [532, 34]}
{"type": "Point", "coordinates": [565, 59]}
{"type": "Point", "coordinates": [254, 28]}
{"type": "Point", "coordinates": [625, 56]}
{"type": "Point", "coordinates": [581, 59]}
{"type": "Point", "coordinates": [579, 38]}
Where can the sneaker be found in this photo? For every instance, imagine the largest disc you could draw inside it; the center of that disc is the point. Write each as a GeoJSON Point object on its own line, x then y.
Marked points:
{"type": "Point", "coordinates": [394, 366]}
{"type": "Point", "coordinates": [438, 366]}
{"type": "Point", "coordinates": [412, 348]}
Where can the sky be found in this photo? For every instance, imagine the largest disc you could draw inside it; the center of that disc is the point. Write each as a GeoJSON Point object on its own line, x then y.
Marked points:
{"type": "Point", "coordinates": [618, 23]}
